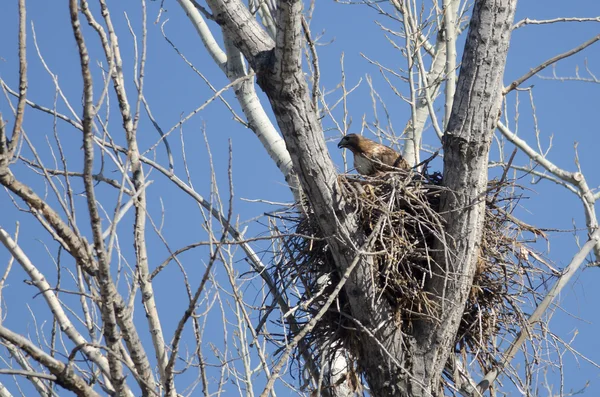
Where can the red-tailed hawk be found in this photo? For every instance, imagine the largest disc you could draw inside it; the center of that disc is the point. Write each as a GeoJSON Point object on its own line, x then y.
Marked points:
{"type": "Point", "coordinates": [372, 158]}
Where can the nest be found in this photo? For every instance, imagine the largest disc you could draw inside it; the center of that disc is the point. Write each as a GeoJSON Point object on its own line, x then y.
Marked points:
{"type": "Point", "coordinates": [403, 258]}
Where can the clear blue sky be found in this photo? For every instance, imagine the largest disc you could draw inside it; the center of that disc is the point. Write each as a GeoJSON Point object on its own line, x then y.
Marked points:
{"type": "Point", "coordinates": [567, 111]}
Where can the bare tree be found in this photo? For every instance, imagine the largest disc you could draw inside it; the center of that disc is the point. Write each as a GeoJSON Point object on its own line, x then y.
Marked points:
{"type": "Point", "coordinates": [378, 286]}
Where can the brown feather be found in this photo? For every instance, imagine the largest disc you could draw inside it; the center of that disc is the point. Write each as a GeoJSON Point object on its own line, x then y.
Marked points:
{"type": "Point", "coordinates": [372, 158]}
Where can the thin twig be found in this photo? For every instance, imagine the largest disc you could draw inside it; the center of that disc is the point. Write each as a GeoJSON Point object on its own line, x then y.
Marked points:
{"type": "Point", "coordinates": [560, 283]}
{"type": "Point", "coordinates": [549, 62]}
{"type": "Point", "coordinates": [14, 140]}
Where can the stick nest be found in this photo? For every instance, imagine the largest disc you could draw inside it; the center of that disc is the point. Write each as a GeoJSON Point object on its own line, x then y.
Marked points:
{"type": "Point", "coordinates": [403, 258]}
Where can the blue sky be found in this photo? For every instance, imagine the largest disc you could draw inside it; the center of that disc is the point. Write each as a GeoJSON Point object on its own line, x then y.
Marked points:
{"type": "Point", "coordinates": [565, 110]}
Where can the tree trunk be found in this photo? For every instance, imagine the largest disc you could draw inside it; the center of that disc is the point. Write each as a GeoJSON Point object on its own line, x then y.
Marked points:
{"type": "Point", "coordinates": [475, 112]}
{"type": "Point", "coordinates": [392, 364]}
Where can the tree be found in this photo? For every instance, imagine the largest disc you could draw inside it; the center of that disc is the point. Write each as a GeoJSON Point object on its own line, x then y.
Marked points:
{"type": "Point", "coordinates": [98, 344]}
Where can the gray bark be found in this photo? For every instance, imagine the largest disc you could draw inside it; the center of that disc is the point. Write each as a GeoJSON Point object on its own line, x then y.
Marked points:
{"type": "Point", "coordinates": [416, 124]}
{"type": "Point", "coordinates": [467, 140]}
{"type": "Point", "coordinates": [392, 365]}
{"type": "Point", "coordinates": [231, 63]}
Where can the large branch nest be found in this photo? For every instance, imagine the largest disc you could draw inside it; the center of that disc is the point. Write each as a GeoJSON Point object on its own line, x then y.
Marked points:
{"type": "Point", "coordinates": [402, 257]}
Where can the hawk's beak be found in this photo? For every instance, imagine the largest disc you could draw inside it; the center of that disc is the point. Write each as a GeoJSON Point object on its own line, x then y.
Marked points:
{"type": "Point", "coordinates": [341, 144]}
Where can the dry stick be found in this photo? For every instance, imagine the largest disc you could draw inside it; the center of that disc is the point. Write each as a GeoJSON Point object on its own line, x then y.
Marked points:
{"type": "Point", "coordinates": [208, 83]}
{"type": "Point", "coordinates": [315, 62]}
{"type": "Point", "coordinates": [58, 91]}
{"type": "Point", "coordinates": [591, 79]}
{"type": "Point", "coordinates": [160, 132]}
{"type": "Point", "coordinates": [63, 160]}
{"type": "Point", "coordinates": [44, 109]}
{"type": "Point", "coordinates": [311, 324]}
{"type": "Point", "coordinates": [121, 355]}
{"type": "Point", "coordinates": [28, 374]}
{"type": "Point", "coordinates": [410, 51]}
{"type": "Point", "coordinates": [105, 45]}
{"type": "Point", "coordinates": [55, 225]}
{"type": "Point", "coordinates": [3, 143]}
{"type": "Point", "coordinates": [22, 358]}
{"type": "Point", "coordinates": [139, 79]}
{"type": "Point", "coordinates": [549, 62]}
{"type": "Point", "coordinates": [64, 375]}
{"type": "Point", "coordinates": [97, 177]}
{"type": "Point", "coordinates": [246, 318]}
{"type": "Point", "coordinates": [528, 21]}
{"type": "Point", "coordinates": [562, 281]}
{"type": "Point", "coordinates": [428, 98]}
{"type": "Point", "coordinates": [242, 322]}
{"type": "Point", "coordinates": [52, 301]}
{"type": "Point", "coordinates": [120, 212]}
{"type": "Point", "coordinates": [148, 299]}
{"type": "Point", "coordinates": [218, 94]}
{"type": "Point", "coordinates": [575, 178]}
{"type": "Point", "coordinates": [169, 369]}
{"type": "Point", "coordinates": [50, 182]}
{"type": "Point", "coordinates": [538, 175]}
{"type": "Point", "coordinates": [14, 140]}
{"type": "Point", "coordinates": [107, 290]}
{"type": "Point", "coordinates": [253, 258]}
{"type": "Point", "coordinates": [450, 31]}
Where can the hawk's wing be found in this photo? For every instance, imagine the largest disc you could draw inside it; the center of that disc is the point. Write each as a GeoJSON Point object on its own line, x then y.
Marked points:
{"type": "Point", "coordinates": [386, 158]}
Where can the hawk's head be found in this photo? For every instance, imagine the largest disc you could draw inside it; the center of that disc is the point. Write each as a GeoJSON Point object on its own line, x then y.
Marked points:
{"type": "Point", "coordinates": [350, 141]}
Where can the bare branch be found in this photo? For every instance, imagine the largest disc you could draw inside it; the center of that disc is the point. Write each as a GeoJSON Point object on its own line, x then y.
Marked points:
{"type": "Point", "coordinates": [575, 178]}
{"type": "Point", "coordinates": [14, 140]}
{"type": "Point", "coordinates": [450, 9]}
{"type": "Point", "coordinates": [562, 281]}
{"type": "Point", "coordinates": [28, 374]}
{"type": "Point", "coordinates": [313, 321]}
{"type": "Point", "coordinates": [549, 62]}
{"type": "Point", "coordinates": [111, 333]}
{"type": "Point", "coordinates": [64, 374]}
{"type": "Point", "coordinates": [51, 299]}
{"type": "Point", "coordinates": [528, 21]}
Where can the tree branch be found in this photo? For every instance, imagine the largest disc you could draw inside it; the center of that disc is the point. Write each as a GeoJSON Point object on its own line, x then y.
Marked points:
{"type": "Point", "coordinates": [280, 75]}
{"type": "Point", "coordinates": [232, 64]}
{"type": "Point", "coordinates": [107, 289]}
{"type": "Point", "coordinates": [523, 335]}
{"type": "Point", "coordinates": [549, 62]}
{"type": "Point", "coordinates": [64, 374]}
{"type": "Point", "coordinates": [466, 146]}
{"type": "Point", "coordinates": [14, 140]}
{"type": "Point", "coordinates": [52, 301]}
{"type": "Point", "coordinates": [528, 21]}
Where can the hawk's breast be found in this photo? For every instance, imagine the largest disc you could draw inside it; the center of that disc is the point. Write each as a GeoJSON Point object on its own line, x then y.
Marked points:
{"type": "Point", "coordinates": [364, 165]}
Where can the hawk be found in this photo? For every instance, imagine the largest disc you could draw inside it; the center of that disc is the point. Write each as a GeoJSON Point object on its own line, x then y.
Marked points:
{"type": "Point", "coordinates": [372, 158]}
